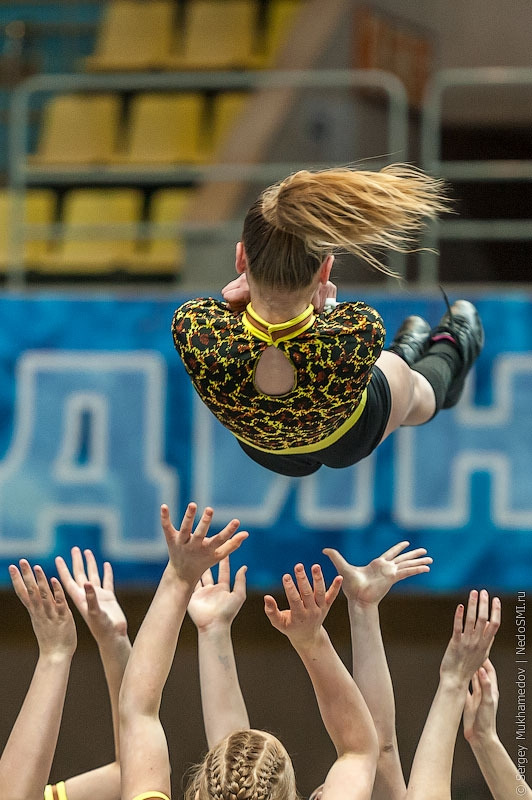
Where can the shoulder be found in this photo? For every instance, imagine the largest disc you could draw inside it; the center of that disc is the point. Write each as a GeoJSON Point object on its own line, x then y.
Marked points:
{"type": "Point", "coordinates": [200, 306]}
{"type": "Point", "coordinates": [357, 312]}
{"type": "Point", "coordinates": [351, 777]}
{"type": "Point", "coordinates": [357, 320]}
{"type": "Point", "coordinates": [203, 311]}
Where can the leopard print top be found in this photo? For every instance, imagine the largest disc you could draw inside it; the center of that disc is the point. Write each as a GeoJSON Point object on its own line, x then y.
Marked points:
{"type": "Point", "coordinates": [332, 359]}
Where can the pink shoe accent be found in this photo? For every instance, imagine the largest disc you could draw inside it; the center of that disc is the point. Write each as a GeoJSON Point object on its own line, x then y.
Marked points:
{"type": "Point", "coordinates": [440, 337]}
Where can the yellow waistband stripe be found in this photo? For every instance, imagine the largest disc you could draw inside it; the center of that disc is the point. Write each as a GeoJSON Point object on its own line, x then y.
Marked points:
{"type": "Point", "coordinates": [323, 443]}
{"type": "Point", "coordinates": [279, 332]}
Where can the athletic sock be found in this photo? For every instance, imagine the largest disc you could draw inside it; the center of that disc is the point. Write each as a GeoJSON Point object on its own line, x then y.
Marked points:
{"type": "Point", "coordinates": [439, 366]}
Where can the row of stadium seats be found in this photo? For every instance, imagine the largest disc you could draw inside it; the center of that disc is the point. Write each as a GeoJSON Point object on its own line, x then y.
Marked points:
{"type": "Point", "coordinates": [214, 34]}
{"type": "Point", "coordinates": [100, 251]}
{"type": "Point", "coordinates": [157, 128]}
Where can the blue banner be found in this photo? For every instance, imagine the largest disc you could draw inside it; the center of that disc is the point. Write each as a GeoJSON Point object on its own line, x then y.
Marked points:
{"type": "Point", "coordinates": [100, 425]}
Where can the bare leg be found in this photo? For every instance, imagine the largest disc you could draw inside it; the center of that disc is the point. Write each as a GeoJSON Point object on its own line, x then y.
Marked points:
{"type": "Point", "coordinates": [413, 401]}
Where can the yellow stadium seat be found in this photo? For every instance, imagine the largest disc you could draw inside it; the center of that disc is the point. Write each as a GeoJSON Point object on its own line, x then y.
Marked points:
{"type": "Point", "coordinates": [134, 35]}
{"type": "Point", "coordinates": [226, 110]}
{"type": "Point", "coordinates": [94, 252]}
{"type": "Point", "coordinates": [217, 35]}
{"type": "Point", "coordinates": [79, 129]}
{"type": "Point", "coordinates": [165, 128]}
{"type": "Point", "coordinates": [280, 18]}
{"type": "Point", "coordinates": [162, 254]}
{"type": "Point", "coordinates": [39, 209]}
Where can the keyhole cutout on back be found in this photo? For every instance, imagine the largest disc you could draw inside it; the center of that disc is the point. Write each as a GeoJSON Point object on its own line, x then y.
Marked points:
{"type": "Point", "coordinates": [274, 372]}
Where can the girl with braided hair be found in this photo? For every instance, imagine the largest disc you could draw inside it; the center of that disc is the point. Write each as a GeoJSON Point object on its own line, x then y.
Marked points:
{"type": "Point", "coordinates": [251, 764]}
{"type": "Point", "coordinates": [299, 387]}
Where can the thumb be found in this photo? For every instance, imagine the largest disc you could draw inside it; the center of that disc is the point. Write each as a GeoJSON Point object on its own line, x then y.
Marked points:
{"type": "Point", "coordinates": [270, 606]}
{"type": "Point", "coordinates": [337, 559]}
{"type": "Point", "coordinates": [240, 581]}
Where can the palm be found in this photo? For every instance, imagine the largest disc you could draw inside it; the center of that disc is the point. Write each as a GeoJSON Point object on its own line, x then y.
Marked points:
{"type": "Point", "coordinates": [110, 616]}
{"type": "Point", "coordinates": [213, 602]}
{"type": "Point", "coordinates": [369, 584]}
{"type": "Point", "coordinates": [101, 611]}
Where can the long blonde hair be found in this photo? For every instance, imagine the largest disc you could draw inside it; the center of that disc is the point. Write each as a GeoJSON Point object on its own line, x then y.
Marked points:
{"type": "Point", "coordinates": [247, 765]}
{"type": "Point", "coordinates": [297, 222]}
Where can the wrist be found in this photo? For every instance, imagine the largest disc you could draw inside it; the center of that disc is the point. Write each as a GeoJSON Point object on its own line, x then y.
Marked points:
{"type": "Point", "coordinates": [453, 683]}
{"type": "Point", "coordinates": [360, 608]}
{"type": "Point", "coordinates": [112, 642]}
{"type": "Point", "coordinates": [174, 577]}
{"type": "Point", "coordinates": [481, 740]}
{"type": "Point", "coordinates": [55, 658]}
{"type": "Point", "coordinates": [311, 645]}
{"type": "Point", "coordinates": [216, 629]}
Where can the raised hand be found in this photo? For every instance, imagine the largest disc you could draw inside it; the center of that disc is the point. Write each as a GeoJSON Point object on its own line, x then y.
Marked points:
{"type": "Point", "coordinates": [93, 596]}
{"type": "Point", "coordinates": [308, 605]}
{"type": "Point", "coordinates": [472, 639]}
{"type": "Point", "coordinates": [325, 291]}
{"type": "Point", "coordinates": [214, 603]}
{"type": "Point", "coordinates": [51, 618]}
{"type": "Point", "coordinates": [368, 585]}
{"type": "Point", "coordinates": [236, 293]}
{"type": "Point", "coordinates": [191, 552]}
{"type": "Point", "coordinates": [480, 710]}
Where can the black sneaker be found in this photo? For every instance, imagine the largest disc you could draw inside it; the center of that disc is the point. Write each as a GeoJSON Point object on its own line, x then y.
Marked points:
{"type": "Point", "coordinates": [412, 340]}
{"type": "Point", "coordinates": [462, 326]}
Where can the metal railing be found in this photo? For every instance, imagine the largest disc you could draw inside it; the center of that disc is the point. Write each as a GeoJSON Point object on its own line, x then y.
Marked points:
{"type": "Point", "coordinates": [509, 170]}
{"type": "Point", "coordinates": [22, 174]}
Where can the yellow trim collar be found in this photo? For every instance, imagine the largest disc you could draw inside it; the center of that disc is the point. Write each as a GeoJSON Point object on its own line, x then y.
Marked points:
{"type": "Point", "coordinates": [280, 332]}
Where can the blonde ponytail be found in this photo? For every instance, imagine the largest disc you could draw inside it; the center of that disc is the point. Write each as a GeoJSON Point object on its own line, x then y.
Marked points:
{"type": "Point", "coordinates": [347, 210]}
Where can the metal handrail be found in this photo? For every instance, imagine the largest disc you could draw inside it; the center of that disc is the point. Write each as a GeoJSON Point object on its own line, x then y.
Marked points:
{"type": "Point", "coordinates": [492, 170]}
{"type": "Point", "coordinates": [21, 174]}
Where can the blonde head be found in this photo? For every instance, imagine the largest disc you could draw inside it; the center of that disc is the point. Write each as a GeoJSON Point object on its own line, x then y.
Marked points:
{"type": "Point", "coordinates": [297, 222]}
{"type": "Point", "coordinates": [247, 765]}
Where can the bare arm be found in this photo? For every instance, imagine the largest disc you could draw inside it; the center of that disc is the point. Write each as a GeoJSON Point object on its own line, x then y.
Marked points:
{"type": "Point", "coordinates": [213, 607]}
{"type": "Point", "coordinates": [430, 778]}
{"type": "Point", "coordinates": [504, 778]}
{"type": "Point", "coordinates": [342, 707]}
{"type": "Point", "coordinates": [95, 599]}
{"type": "Point", "coordinates": [27, 758]}
{"type": "Point", "coordinates": [364, 588]}
{"type": "Point", "coordinates": [144, 753]}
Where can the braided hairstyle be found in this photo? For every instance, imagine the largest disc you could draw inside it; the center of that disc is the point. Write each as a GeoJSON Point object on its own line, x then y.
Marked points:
{"type": "Point", "coordinates": [247, 765]}
{"type": "Point", "coordinates": [299, 221]}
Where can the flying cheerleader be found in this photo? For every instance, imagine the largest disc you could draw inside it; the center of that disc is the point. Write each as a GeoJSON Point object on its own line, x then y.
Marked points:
{"type": "Point", "coordinates": [300, 380]}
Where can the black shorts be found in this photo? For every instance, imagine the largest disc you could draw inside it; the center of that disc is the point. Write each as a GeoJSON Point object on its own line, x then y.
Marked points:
{"type": "Point", "coordinates": [358, 443]}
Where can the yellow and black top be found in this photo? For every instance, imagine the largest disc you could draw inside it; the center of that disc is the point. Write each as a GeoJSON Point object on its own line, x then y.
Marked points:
{"type": "Point", "coordinates": [332, 356]}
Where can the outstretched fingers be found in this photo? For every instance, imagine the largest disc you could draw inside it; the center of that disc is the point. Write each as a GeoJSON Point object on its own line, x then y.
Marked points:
{"type": "Point", "coordinates": [93, 573]}
{"type": "Point", "coordinates": [185, 531]}
{"type": "Point", "coordinates": [333, 591]}
{"type": "Point", "coordinates": [493, 625]}
{"type": "Point", "coordinates": [304, 589]}
{"type": "Point", "coordinates": [393, 552]}
{"type": "Point", "coordinates": [239, 587]}
{"type": "Point", "coordinates": [291, 591]}
{"type": "Point", "coordinates": [59, 597]}
{"type": "Point", "coordinates": [272, 611]}
{"type": "Point", "coordinates": [78, 567]}
{"type": "Point", "coordinates": [19, 585]}
{"type": "Point", "coordinates": [233, 544]}
{"type": "Point", "coordinates": [44, 591]}
{"type": "Point", "coordinates": [337, 559]}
